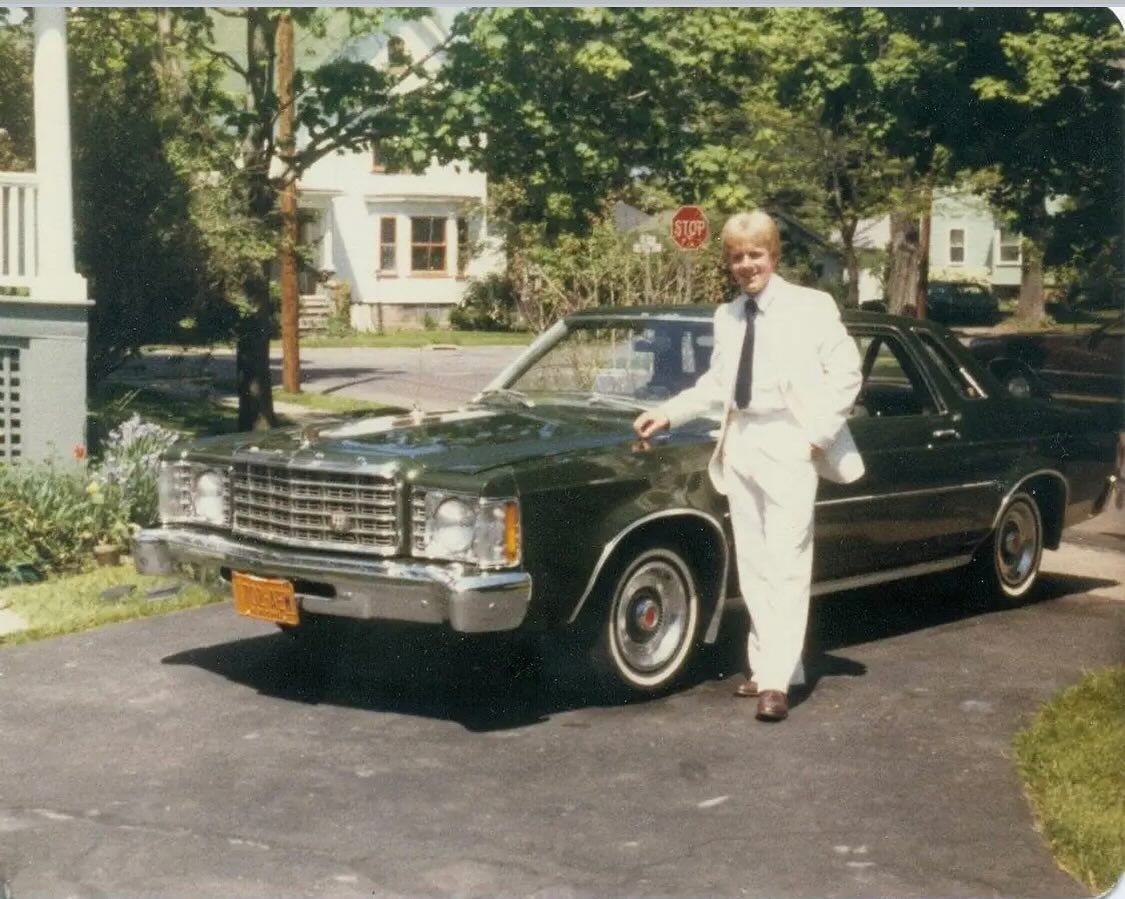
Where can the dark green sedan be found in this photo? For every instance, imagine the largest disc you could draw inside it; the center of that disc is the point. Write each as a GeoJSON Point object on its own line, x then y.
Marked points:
{"type": "Point", "coordinates": [534, 508]}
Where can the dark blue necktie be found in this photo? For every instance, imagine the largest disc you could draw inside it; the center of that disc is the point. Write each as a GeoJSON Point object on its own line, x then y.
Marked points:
{"type": "Point", "coordinates": [746, 360]}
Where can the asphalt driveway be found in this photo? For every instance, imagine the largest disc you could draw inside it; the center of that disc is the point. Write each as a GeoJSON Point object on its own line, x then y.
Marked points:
{"type": "Point", "coordinates": [201, 754]}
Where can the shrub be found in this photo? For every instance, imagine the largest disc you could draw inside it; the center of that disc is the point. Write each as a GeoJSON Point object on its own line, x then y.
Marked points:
{"type": "Point", "coordinates": [130, 462]}
{"type": "Point", "coordinates": [489, 305]}
{"type": "Point", "coordinates": [55, 515]}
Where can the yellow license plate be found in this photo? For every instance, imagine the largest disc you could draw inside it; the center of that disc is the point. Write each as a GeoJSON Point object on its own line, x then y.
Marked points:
{"type": "Point", "coordinates": [267, 598]}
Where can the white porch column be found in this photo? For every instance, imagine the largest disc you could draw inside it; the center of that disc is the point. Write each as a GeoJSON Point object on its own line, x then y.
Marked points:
{"type": "Point", "coordinates": [57, 281]}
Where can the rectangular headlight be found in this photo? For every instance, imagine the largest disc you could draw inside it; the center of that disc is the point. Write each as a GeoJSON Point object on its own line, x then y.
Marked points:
{"type": "Point", "coordinates": [194, 492]}
{"type": "Point", "coordinates": [461, 528]}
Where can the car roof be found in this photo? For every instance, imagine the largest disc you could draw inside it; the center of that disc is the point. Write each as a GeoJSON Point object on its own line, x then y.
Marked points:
{"type": "Point", "coordinates": [706, 311]}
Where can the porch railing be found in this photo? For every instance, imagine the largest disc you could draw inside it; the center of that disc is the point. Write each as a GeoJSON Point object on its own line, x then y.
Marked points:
{"type": "Point", "coordinates": [19, 247]}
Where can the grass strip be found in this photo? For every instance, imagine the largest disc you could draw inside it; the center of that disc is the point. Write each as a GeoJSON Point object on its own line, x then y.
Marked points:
{"type": "Point", "coordinates": [67, 605]}
{"type": "Point", "coordinates": [416, 339]}
{"type": "Point", "coordinates": [333, 404]}
{"type": "Point", "coordinates": [1072, 761]}
{"type": "Point", "coordinates": [188, 413]}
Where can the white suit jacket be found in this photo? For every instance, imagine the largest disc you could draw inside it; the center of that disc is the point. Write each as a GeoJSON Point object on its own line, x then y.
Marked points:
{"type": "Point", "coordinates": [820, 382]}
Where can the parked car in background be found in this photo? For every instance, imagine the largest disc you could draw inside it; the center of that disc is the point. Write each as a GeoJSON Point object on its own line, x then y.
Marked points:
{"type": "Point", "coordinates": [961, 303]}
{"type": "Point", "coordinates": [535, 510]}
{"type": "Point", "coordinates": [1083, 368]}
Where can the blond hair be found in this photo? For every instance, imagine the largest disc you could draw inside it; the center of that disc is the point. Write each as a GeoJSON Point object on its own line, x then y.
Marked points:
{"type": "Point", "coordinates": [756, 226]}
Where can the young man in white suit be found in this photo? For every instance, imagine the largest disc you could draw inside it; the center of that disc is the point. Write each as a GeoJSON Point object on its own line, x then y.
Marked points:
{"type": "Point", "coordinates": [785, 389]}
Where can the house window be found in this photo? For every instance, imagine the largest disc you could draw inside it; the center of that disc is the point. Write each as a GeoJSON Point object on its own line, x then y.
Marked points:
{"type": "Point", "coordinates": [957, 246]}
{"type": "Point", "coordinates": [427, 245]}
{"type": "Point", "coordinates": [387, 244]}
{"type": "Point", "coordinates": [462, 247]}
{"type": "Point", "coordinates": [1009, 247]}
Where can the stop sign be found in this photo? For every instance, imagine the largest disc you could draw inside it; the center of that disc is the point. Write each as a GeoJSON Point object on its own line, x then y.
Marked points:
{"type": "Point", "coordinates": [689, 228]}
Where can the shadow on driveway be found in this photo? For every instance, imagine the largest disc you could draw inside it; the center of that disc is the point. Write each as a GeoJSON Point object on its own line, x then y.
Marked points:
{"type": "Point", "coordinates": [497, 683]}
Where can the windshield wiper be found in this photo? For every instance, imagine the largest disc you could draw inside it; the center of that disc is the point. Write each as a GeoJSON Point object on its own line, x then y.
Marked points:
{"type": "Point", "coordinates": [620, 402]}
{"type": "Point", "coordinates": [509, 393]}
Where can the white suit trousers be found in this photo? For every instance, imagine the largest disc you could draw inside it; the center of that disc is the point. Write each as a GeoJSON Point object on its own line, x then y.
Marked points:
{"type": "Point", "coordinates": [771, 510]}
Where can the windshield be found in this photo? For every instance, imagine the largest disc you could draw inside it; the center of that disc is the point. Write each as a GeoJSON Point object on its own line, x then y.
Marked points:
{"type": "Point", "coordinates": [639, 362]}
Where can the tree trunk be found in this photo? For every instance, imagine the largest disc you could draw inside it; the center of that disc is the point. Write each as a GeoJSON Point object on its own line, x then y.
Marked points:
{"type": "Point", "coordinates": [851, 263]}
{"type": "Point", "coordinates": [904, 274]}
{"type": "Point", "coordinates": [924, 230]}
{"type": "Point", "coordinates": [252, 363]}
{"type": "Point", "coordinates": [1031, 307]}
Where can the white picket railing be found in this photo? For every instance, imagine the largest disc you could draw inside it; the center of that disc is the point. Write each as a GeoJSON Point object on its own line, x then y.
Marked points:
{"type": "Point", "coordinates": [19, 245]}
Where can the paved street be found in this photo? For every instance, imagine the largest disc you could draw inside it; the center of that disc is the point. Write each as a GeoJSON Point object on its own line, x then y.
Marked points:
{"type": "Point", "coordinates": [436, 377]}
{"type": "Point", "coordinates": [202, 754]}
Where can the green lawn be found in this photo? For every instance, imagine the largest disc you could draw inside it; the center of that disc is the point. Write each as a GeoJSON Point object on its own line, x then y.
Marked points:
{"type": "Point", "coordinates": [76, 603]}
{"type": "Point", "coordinates": [197, 415]}
{"type": "Point", "coordinates": [200, 415]}
{"type": "Point", "coordinates": [1072, 760]}
{"type": "Point", "coordinates": [330, 403]}
{"type": "Point", "coordinates": [417, 339]}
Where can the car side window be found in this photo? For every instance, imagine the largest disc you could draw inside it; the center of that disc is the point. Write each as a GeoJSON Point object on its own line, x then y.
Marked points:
{"type": "Point", "coordinates": [892, 385]}
{"type": "Point", "coordinates": [961, 380]}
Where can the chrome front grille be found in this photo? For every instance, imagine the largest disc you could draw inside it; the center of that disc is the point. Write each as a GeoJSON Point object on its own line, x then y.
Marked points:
{"type": "Point", "coordinates": [418, 520]}
{"type": "Point", "coordinates": [316, 508]}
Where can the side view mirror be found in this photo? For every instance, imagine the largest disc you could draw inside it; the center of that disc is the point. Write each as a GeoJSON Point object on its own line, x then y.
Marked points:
{"type": "Point", "coordinates": [1018, 379]}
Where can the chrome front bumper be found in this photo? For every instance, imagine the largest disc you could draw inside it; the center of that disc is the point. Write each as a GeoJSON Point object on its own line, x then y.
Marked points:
{"type": "Point", "coordinates": [351, 587]}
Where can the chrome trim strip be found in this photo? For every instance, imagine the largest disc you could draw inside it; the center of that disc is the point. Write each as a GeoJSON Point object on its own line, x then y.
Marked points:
{"type": "Point", "coordinates": [612, 545]}
{"type": "Point", "coordinates": [925, 492]}
{"type": "Point", "coordinates": [891, 574]}
{"type": "Point", "coordinates": [968, 375]}
{"type": "Point", "coordinates": [1073, 373]}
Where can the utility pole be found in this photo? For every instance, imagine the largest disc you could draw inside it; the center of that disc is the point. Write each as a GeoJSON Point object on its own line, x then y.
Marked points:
{"type": "Point", "coordinates": [287, 251]}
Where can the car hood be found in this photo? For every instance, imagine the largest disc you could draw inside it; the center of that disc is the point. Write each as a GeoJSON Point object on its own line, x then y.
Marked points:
{"type": "Point", "coordinates": [468, 440]}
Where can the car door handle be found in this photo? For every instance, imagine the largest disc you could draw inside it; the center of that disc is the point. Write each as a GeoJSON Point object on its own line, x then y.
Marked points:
{"type": "Point", "coordinates": [946, 434]}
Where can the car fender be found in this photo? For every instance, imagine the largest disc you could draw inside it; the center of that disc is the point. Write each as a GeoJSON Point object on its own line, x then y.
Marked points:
{"type": "Point", "coordinates": [664, 516]}
{"type": "Point", "coordinates": [1028, 481]}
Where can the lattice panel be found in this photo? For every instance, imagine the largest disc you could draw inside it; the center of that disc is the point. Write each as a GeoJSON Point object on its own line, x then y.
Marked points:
{"type": "Point", "coordinates": [10, 404]}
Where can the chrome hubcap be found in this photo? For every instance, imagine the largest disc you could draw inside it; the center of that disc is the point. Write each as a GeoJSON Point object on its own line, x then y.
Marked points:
{"type": "Point", "coordinates": [1017, 545]}
{"type": "Point", "coordinates": [651, 616]}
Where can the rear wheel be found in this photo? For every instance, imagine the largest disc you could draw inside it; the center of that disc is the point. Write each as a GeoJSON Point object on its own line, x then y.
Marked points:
{"type": "Point", "coordinates": [647, 629]}
{"type": "Point", "coordinates": [1006, 566]}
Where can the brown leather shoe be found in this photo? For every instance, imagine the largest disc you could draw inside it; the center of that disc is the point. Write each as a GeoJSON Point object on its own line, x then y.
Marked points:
{"type": "Point", "coordinates": [748, 689]}
{"type": "Point", "coordinates": [773, 705]}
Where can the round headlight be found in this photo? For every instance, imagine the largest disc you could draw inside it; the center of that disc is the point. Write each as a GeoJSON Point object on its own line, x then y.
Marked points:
{"type": "Point", "coordinates": [207, 497]}
{"type": "Point", "coordinates": [452, 527]}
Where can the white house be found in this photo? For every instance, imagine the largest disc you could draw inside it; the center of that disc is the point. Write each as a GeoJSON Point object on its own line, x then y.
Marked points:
{"type": "Point", "coordinates": [968, 242]}
{"type": "Point", "coordinates": [406, 245]}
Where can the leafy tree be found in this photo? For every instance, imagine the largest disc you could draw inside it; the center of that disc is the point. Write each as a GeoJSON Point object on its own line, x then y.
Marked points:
{"type": "Point", "coordinates": [1048, 126]}
{"type": "Point", "coordinates": [139, 137]}
{"type": "Point", "coordinates": [17, 136]}
{"type": "Point", "coordinates": [793, 109]}
{"type": "Point", "coordinates": [559, 106]}
{"type": "Point", "coordinates": [342, 104]}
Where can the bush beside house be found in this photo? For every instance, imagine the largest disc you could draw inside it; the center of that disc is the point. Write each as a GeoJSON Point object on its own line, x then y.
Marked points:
{"type": "Point", "coordinates": [57, 513]}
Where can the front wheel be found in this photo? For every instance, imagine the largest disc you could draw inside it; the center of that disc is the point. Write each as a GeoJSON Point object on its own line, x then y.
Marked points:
{"type": "Point", "coordinates": [1006, 566]}
{"type": "Point", "coordinates": [647, 629]}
